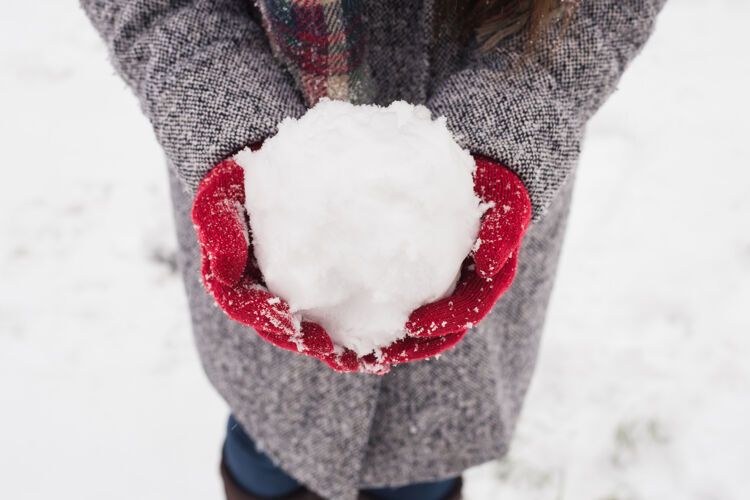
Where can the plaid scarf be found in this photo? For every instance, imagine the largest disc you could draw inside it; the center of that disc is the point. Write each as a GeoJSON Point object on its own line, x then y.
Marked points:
{"type": "Point", "coordinates": [322, 44]}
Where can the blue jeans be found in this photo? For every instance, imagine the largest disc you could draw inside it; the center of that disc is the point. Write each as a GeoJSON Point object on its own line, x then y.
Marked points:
{"type": "Point", "coordinates": [254, 471]}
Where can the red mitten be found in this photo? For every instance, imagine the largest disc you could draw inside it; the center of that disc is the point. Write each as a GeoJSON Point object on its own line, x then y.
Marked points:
{"type": "Point", "coordinates": [505, 222]}
{"type": "Point", "coordinates": [435, 327]}
{"type": "Point", "coordinates": [495, 255]}
{"type": "Point", "coordinates": [400, 351]}
{"type": "Point", "coordinates": [409, 349]}
{"type": "Point", "coordinates": [229, 270]}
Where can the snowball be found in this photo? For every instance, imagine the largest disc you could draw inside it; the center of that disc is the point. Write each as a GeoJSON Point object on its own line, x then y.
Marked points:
{"type": "Point", "coordinates": [359, 215]}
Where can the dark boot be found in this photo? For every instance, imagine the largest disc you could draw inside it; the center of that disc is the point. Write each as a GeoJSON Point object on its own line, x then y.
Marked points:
{"type": "Point", "coordinates": [235, 492]}
{"type": "Point", "coordinates": [455, 493]}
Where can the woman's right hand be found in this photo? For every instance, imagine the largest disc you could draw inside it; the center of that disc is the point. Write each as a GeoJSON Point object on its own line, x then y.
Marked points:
{"type": "Point", "coordinates": [230, 272]}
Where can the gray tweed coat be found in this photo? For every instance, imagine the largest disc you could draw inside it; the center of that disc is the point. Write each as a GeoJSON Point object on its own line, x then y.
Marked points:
{"type": "Point", "coordinates": [209, 83]}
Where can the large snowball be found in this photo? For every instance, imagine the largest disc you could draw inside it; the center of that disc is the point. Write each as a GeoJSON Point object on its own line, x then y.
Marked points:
{"type": "Point", "coordinates": [359, 215]}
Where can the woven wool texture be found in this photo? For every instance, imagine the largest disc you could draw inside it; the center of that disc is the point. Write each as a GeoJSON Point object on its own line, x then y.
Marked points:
{"type": "Point", "coordinates": [208, 80]}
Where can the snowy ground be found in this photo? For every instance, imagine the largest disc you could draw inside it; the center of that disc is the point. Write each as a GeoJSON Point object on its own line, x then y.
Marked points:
{"type": "Point", "coordinates": [643, 387]}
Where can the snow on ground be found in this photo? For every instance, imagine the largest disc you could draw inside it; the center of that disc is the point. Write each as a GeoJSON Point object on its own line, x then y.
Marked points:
{"type": "Point", "coordinates": [643, 386]}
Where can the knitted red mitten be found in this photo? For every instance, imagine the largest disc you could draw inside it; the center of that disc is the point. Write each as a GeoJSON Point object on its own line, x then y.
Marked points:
{"type": "Point", "coordinates": [230, 272]}
{"type": "Point", "coordinates": [400, 351]}
{"type": "Point", "coordinates": [495, 255]}
{"type": "Point", "coordinates": [435, 327]}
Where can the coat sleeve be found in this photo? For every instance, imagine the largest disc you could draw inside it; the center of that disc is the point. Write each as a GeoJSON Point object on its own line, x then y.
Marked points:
{"type": "Point", "coordinates": [203, 72]}
{"type": "Point", "coordinates": [530, 115]}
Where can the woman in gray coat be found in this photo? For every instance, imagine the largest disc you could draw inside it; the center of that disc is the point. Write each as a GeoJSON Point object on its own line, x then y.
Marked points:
{"type": "Point", "coordinates": [214, 76]}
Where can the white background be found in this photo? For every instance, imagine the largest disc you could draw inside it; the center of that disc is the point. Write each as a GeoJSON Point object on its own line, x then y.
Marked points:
{"type": "Point", "coordinates": [643, 386]}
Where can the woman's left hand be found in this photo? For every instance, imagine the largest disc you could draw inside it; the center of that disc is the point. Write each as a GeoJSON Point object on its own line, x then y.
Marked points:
{"type": "Point", "coordinates": [485, 276]}
{"type": "Point", "coordinates": [490, 270]}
